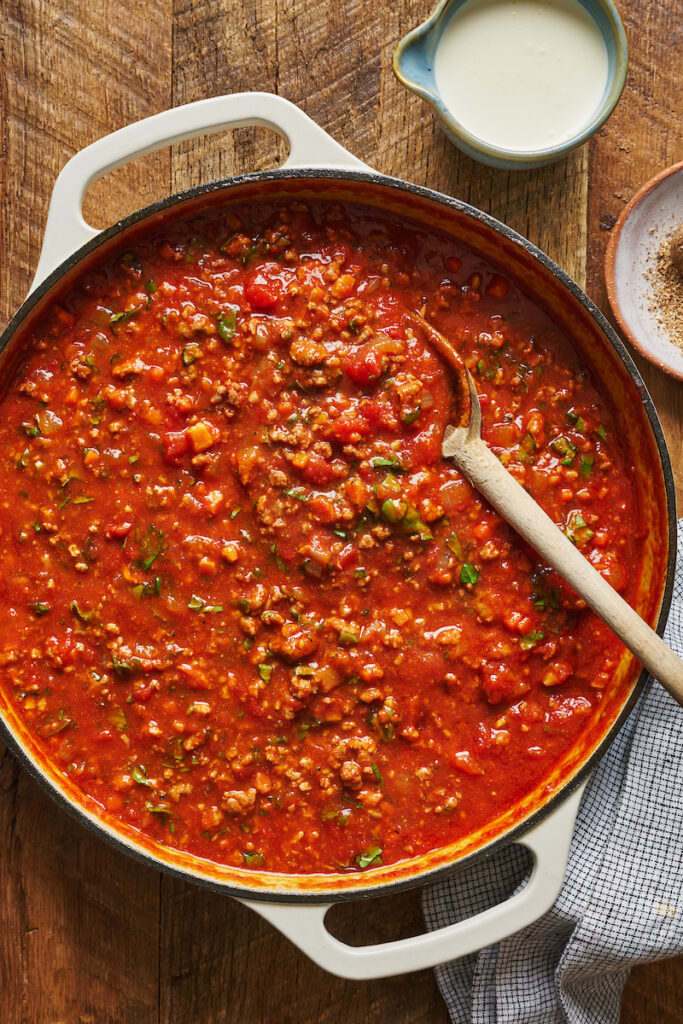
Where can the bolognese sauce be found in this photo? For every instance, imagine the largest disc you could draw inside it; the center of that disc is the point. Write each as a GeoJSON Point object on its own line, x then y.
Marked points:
{"type": "Point", "coordinates": [250, 610]}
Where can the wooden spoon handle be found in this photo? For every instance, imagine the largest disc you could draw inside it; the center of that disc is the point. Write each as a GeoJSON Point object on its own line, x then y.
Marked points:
{"type": "Point", "coordinates": [487, 475]}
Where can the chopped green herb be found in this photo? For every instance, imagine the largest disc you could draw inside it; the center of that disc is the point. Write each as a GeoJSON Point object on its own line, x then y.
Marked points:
{"type": "Point", "coordinates": [139, 775]}
{"type": "Point", "coordinates": [279, 561]}
{"type": "Point", "coordinates": [346, 637]}
{"type": "Point", "coordinates": [574, 418]}
{"type": "Point", "coordinates": [530, 640]}
{"type": "Point", "coordinates": [122, 667]}
{"type": "Point", "coordinates": [83, 616]}
{"type": "Point", "coordinates": [151, 588]}
{"type": "Point", "coordinates": [31, 429]}
{"type": "Point", "coordinates": [376, 772]}
{"type": "Point", "coordinates": [600, 431]}
{"type": "Point", "coordinates": [253, 860]}
{"type": "Point", "coordinates": [563, 446]}
{"type": "Point", "coordinates": [296, 492]}
{"type": "Point", "coordinates": [82, 500]}
{"type": "Point", "coordinates": [121, 318]}
{"type": "Point", "coordinates": [235, 512]}
{"type": "Point", "coordinates": [227, 325]}
{"type": "Point", "coordinates": [525, 449]}
{"type": "Point", "coordinates": [411, 415]}
{"type": "Point", "coordinates": [265, 671]}
{"type": "Point", "coordinates": [394, 510]}
{"type": "Point", "coordinates": [383, 463]}
{"type": "Point", "coordinates": [577, 530]}
{"type": "Point", "coordinates": [40, 608]}
{"type": "Point", "coordinates": [151, 286]}
{"type": "Point", "coordinates": [586, 467]}
{"type": "Point", "coordinates": [371, 856]}
{"type": "Point", "coordinates": [191, 353]}
{"type": "Point", "coordinates": [414, 524]}
{"type": "Point", "coordinates": [118, 718]}
{"type": "Point", "coordinates": [153, 544]}
{"type": "Point", "coordinates": [360, 573]}
{"type": "Point", "coordinates": [158, 808]}
{"type": "Point", "coordinates": [454, 545]}
{"type": "Point", "coordinates": [198, 604]}
{"type": "Point", "coordinates": [469, 573]}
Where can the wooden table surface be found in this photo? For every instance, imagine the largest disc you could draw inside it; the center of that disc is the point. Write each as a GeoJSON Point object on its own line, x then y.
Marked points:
{"type": "Point", "coordinates": [87, 936]}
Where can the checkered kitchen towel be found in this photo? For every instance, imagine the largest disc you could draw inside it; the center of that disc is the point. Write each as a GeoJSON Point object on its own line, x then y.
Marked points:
{"type": "Point", "coordinates": [622, 899]}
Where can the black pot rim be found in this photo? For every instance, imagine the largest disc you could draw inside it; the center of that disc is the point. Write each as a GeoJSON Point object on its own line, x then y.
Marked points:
{"type": "Point", "coordinates": [419, 878]}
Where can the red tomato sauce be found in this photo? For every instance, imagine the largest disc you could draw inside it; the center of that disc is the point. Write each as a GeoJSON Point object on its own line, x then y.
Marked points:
{"type": "Point", "coordinates": [250, 610]}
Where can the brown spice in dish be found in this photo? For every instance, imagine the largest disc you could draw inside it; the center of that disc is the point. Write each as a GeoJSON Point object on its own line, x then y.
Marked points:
{"type": "Point", "coordinates": [676, 248]}
{"type": "Point", "coordinates": [666, 302]}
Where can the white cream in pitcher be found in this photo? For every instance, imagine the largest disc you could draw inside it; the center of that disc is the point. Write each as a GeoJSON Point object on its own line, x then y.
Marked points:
{"type": "Point", "coordinates": [522, 74]}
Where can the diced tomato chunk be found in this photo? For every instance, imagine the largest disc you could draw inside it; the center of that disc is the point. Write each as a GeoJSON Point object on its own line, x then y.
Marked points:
{"type": "Point", "coordinates": [264, 287]}
{"type": "Point", "coordinates": [118, 530]}
{"type": "Point", "coordinates": [319, 471]}
{"type": "Point", "coordinates": [364, 364]}
{"type": "Point", "coordinates": [176, 444]}
{"type": "Point", "coordinates": [349, 429]}
{"type": "Point", "coordinates": [347, 557]}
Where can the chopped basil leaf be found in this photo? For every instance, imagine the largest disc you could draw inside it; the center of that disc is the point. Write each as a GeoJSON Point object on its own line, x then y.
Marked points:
{"type": "Point", "coordinates": [454, 545]}
{"type": "Point", "coordinates": [198, 604]}
{"type": "Point", "coordinates": [530, 640]}
{"type": "Point", "coordinates": [253, 860]}
{"type": "Point", "coordinates": [371, 856]}
{"type": "Point", "coordinates": [468, 573]}
{"type": "Point", "coordinates": [383, 463]}
{"type": "Point", "coordinates": [121, 667]}
{"type": "Point", "coordinates": [394, 510]}
{"type": "Point", "coordinates": [411, 415]}
{"type": "Point", "coordinates": [140, 776]}
{"type": "Point", "coordinates": [121, 318]}
{"type": "Point", "coordinates": [227, 325]}
{"type": "Point", "coordinates": [83, 616]}
{"type": "Point", "coordinates": [158, 808]}
{"type": "Point", "coordinates": [118, 718]}
{"type": "Point", "coordinates": [40, 608]}
{"type": "Point", "coordinates": [191, 353]}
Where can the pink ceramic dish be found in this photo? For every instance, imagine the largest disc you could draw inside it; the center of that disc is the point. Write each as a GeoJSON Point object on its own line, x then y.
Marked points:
{"type": "Point", "coordinates": [650, 217]}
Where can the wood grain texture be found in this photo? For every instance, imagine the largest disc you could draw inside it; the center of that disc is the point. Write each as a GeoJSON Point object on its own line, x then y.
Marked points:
{"type": "Point", "coordinates": [87, 936]}
{"type": "Point", "coordinates": [643, 136]}
{"type": "Point", "coordinates": [79, 922]}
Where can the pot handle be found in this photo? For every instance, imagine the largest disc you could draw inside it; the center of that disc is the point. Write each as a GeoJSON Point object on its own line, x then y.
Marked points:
{"type": "Point", "coordinates": [549, 842]}
{"type": "Point", "coordinates": [309, 146]}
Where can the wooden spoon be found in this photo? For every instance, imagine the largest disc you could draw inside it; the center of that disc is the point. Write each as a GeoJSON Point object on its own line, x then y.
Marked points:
{"type": "Point", "coordinates": [463, 443]}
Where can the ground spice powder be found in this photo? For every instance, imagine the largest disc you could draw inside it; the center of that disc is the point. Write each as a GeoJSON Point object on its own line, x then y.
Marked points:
{"type": "Point", "coordinates": [666, 301]}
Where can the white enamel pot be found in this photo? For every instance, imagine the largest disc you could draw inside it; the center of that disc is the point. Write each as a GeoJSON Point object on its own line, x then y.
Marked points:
{"type": "Point", "coordinates": [544, 821]}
